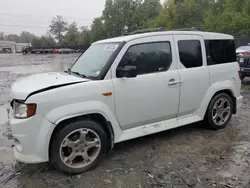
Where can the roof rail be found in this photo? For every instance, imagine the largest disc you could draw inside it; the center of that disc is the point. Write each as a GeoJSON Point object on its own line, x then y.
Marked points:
{"type": "Point", "coordinates": [145, 31]}
{"type": "Point", "coordinates": [187, 29]}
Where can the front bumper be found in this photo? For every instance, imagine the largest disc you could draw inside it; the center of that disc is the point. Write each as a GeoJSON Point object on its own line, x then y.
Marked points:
{"type": "Point", "coordinates": [245, 72]}
{"type": "Point", "coordinates": [31, 138]}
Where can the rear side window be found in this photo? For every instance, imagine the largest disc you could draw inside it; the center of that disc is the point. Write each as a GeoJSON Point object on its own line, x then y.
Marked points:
{"type": "Point", "coordinates": [190, 53]}
{"type": "Point", "coordinates": [148, 57]}
{"type": "Point", "coordinates": [220, 51]}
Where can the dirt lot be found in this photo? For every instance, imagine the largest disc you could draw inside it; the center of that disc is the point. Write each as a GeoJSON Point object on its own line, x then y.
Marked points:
{"type": "Point", "coordinates": [190, 156]}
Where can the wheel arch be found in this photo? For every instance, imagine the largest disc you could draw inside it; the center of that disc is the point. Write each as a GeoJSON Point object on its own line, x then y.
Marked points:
{"type": "Point", "coordinates": [231, 95]}
{"type": "Point", "coordinates": [97, 117]}
{"type": "Point", "coordinates": [215, 89]}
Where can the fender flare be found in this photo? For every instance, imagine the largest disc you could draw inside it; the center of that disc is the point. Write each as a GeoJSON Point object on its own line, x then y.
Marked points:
{"type": "Point", "coordinates": [212, 90]}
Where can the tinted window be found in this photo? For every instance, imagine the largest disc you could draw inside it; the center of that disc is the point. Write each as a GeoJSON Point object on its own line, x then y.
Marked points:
{"type": "Point", "coordinates": [190, 53]}
{"type": "Point", "coordinates": [148, 58]}
{"type": "Point", "coordinates": [220, 51]}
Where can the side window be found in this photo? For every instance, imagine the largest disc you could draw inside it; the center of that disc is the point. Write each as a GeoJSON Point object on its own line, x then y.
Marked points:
{"type": "Point", "coordinates": [190, 53]}
{"type": "Point", "coordinates": [220, 51]}
{"type": "Point", "coordinates": [149, 57]}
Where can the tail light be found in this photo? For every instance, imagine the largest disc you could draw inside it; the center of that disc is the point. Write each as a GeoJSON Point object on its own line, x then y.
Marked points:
{"type": "Point", "coordinates": [246, 53]}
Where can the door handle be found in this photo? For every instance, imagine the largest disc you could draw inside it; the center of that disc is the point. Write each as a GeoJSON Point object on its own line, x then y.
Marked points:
{"type": "Point", "coordinates": [174, 82]}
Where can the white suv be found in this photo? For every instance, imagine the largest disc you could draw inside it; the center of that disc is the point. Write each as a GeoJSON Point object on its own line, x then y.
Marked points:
{"type": "Point", "coordinates": [123, 88]}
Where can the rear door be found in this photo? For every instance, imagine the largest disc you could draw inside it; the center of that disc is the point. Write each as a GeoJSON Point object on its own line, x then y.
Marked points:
{"type": "Point", "coordinates": [193, 71]}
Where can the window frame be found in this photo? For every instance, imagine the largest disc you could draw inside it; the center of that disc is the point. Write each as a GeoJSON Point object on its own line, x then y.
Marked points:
{"type": "Point", "coordinates": [171, 51]}
{"type": "Point", "coordinates": [201, 50]}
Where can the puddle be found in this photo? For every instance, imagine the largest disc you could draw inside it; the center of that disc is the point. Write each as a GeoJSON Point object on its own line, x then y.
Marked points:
{"type": "Point", "coordinates": [33, 69]}
{"type": "Point", "coordinates": [3, 114]}
{"type": "Point", "coordinates": [239, 163]}
{"type": "Point", "coordinates": [6, 151]}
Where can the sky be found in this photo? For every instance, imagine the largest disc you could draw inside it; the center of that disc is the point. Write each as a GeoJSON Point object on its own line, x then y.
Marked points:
{"type": "Point", "coordinates": [35, 15]}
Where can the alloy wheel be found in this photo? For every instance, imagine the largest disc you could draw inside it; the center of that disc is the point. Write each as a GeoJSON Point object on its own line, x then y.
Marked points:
{"type": "Point", "coordinates": [221, 111]}
{"type": "Point", "coordinates": [80, 148]}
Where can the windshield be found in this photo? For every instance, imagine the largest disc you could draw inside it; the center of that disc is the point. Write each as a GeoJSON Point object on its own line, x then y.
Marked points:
{"type": "Point", "coordinates": [243, 48]}
{"type": "Point", "coordinates": [92, 61]}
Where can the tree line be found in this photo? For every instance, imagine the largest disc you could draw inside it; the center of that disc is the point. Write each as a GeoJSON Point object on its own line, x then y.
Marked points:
{"type": "Point", "coordinates": [24, 37]}
{"type": "Point", "coordinates": [122, 16]}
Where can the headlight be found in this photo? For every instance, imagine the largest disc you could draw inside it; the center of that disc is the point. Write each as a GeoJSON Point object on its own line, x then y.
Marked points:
{"type": "Point", "coordinates": [241, 60]}
{"type": "Point", "coordinates": [22, 110]}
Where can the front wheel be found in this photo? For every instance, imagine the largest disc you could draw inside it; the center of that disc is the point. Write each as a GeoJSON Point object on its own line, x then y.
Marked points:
{"type": "Point", "coordinates": [78, 147]}
{"type": "Point", "coordinates": [219, 111]}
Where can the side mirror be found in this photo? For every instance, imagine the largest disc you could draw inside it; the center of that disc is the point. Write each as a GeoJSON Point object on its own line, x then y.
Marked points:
{"type": "Point", "coordinates": [129, 71]}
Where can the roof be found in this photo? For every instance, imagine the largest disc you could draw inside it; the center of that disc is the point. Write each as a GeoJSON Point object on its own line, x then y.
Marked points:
{"type": "Point", "coordinates": [205, 35]}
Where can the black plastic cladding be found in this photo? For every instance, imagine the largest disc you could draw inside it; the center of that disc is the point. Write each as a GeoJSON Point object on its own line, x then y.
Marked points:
{"type": "Point", "coordinates": [110, 61]}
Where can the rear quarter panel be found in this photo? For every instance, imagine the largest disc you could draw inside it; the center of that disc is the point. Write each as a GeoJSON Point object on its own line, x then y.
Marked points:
{"type": "Point", "coordinates": [226, 72]}
{"type": "Point", "coordinates": [221, 77]}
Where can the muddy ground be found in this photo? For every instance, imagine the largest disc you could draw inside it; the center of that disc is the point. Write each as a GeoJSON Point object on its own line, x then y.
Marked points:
{"type": "Point", "coordinates": [190, 156]}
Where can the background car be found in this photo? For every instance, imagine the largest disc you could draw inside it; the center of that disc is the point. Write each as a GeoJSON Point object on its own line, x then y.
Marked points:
{"type": "Point", "coordinates": [244, 62]}
{"type": "Point", "coordinates": [243, 50]}
{"type": "Point", "coordinates": [47, 51]}
{"type": "Point", "coordinates": [67, 51]}
{"type": "Point", "coordinates": [56, 51]}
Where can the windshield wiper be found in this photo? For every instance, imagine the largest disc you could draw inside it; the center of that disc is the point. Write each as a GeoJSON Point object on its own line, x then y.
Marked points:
{"type": "Point", "coordinates": [79, 74]}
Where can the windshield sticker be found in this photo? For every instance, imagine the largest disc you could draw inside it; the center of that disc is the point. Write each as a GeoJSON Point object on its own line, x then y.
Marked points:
{"type": "Point", "coordinates": [110, 47]}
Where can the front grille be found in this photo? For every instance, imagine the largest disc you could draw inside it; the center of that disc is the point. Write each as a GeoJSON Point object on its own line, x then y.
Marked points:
{"type": "Point", "coordinates": [246, 62]}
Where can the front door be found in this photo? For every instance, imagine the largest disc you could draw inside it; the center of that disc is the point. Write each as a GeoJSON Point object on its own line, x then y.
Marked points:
{"type": "Point", "coordinates": [153, 95]}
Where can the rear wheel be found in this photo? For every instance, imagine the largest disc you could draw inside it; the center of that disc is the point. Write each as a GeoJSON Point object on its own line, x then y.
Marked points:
{"type": "Point", "coordinates": [220, 111]}
{"type": "Point", "coordinates": [78, 147]}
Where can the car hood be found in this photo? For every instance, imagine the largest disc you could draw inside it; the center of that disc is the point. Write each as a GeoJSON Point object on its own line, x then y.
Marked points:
{"type": "Point", "coordinates": [240, 51]}
{"type": "Point", "coordinates": [24, 87]}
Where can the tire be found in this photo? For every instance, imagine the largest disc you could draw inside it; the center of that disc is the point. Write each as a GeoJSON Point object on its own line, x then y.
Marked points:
{"type": "Point", "coordinates": [242, 77]}
{"type": "Point", "coordinates": [218, 123]}
{"type": "Point", "coordinates": [57, 156]}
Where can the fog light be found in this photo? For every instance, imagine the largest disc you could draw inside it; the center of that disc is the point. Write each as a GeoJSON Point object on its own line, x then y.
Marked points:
{"type": "Point", "coordinates": [18, 145]}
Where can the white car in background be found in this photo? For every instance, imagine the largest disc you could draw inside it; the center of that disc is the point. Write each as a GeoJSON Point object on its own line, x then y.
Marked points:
{"type": "Point", "coordinates": [243, 50]}
{"type": "Point", "coordinates": [124, 88]}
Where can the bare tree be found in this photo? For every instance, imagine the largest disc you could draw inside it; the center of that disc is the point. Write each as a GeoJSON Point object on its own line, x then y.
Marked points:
{"type": "Point", "coordinates": [57, 27]}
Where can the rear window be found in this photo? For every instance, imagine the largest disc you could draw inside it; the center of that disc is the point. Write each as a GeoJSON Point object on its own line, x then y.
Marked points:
{"type": "Point", "coordinates": [220, 51]}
